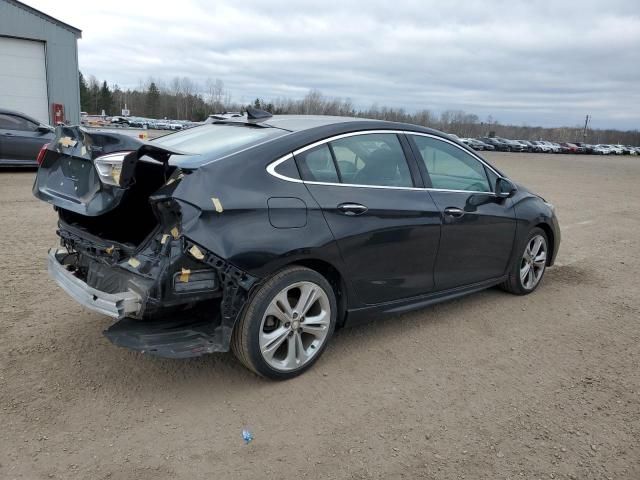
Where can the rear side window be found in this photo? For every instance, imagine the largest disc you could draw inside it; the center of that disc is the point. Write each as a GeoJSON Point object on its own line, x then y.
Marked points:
{"type": "Point", "coordinates": [375, 159]}
{"type": "Point", "coordinates": [316, 165]}
{"type": "Point", "coordinates": [451, 168]}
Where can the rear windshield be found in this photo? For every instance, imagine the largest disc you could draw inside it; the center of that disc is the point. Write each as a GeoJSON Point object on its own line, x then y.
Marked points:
{"type": "Point", "coordinates": [209, 142]}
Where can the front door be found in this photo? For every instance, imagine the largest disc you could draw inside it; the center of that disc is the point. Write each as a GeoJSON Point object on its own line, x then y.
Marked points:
{"type": "Point", "coordinates": [387, 230]}
{"type": "Point", "coordinates": [20, 138]}
{"type": "Point", "coordinates": [478, 228]}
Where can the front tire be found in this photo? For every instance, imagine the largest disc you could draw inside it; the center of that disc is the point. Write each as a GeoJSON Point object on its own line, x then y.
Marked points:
{"type": "Point", "coordinates": [529, 266]}
{"type": "Point", "coordinates": [287, 324]}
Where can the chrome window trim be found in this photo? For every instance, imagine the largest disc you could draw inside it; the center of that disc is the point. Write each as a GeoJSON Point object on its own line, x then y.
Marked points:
{"type": "Point", "coordinates": [273, 165]}
{"type": "Point", "coordinates": [356, 185]}
{"type": "Point", "coordinates": [344, 135]}
{"type": "Point", "coordinates": [271, 169]}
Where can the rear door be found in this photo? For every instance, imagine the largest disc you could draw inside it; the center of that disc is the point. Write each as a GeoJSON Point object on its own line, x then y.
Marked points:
{"type": "Point", "coordinates": [478, 228]}
{"type": "Point", "coordinates": [386, 226]}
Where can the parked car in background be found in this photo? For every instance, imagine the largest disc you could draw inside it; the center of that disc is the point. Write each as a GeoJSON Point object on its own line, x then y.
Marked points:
{"type": "Point", "coordinates": [485, 146]}
{"type": "Point", "coordinates": [514, 146]}
{"type": "Point", "coordinates": [542, 146]}
{"type": "Point", "coordinates": [555, 147]}
{"type": "Point", "coordinates": [496, 143]}
{"type": "Point", "coordinates": [119, 120]}
{"type": "Point", "coordinates": [529, 147]}
{"type": "Point", "coordinates": [580, 148]}
{"type": "Point", "coordinates": [265, 239]}
{"type": "Point", "coordinates": [569, 147]}
{"type": "Point", "coordinates": [476, 144]}
{"type": "Point", "coordinates": [625, 149]}
{"type": "Point", "coordinates": [21, 138]}
{"type": "Point", "coordinates": [616, 150]}
{"type": "Point", "coordinates": [588, 148]}
{"type": "Point", "coordinates": [136, 122]}
{"type": "Point", "coordinates": [602, 149]}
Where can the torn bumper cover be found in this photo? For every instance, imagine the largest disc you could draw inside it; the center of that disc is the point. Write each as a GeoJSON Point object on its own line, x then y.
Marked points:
{"type": "Point", "coordinates": [115, 305]}
{"type": "Point", "coordinates": [171, 338]}
{"type": "Point", "coordinates": [156, 316]}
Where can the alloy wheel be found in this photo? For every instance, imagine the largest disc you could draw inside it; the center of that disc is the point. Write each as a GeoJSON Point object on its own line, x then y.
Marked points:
{"type": "Point", "coordinates": [533, 262]}
{"type": "Point", "coordinates": [295, 326]}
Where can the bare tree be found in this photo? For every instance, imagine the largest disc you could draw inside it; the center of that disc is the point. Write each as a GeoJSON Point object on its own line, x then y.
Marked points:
{"type": "Point", "coordinates": [182, 98]}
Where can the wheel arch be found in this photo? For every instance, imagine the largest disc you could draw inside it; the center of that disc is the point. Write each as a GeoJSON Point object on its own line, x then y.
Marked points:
{"type": "Point", "coordinates": [551, 238]}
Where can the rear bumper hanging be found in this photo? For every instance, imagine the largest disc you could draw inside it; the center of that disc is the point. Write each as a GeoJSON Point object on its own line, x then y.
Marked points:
{"type": "Point", "coordinates": [171, 338]}
{"type": "Point", "coordinates": [115, 305]}
{"type": "Point", "coordinates": [201, 329]}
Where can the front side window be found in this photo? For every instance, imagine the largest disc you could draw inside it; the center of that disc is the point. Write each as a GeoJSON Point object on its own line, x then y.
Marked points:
{"type": "Point", "coordinates": [451, 168]}
{"type": "Point", "coordinates": [373, 159]}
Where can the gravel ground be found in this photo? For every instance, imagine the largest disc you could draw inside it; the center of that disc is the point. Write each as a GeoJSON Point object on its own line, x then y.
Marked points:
{"type": "Point", "coordinates": [491, 386]}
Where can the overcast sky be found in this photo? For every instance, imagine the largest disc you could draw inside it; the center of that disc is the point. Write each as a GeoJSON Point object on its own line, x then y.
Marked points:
{"type": "Point", "coordinates": [527, 62]}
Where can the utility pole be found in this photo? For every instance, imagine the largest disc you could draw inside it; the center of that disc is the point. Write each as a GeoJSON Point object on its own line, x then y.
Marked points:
{"type": "Point", "coordinates": [586, 125]}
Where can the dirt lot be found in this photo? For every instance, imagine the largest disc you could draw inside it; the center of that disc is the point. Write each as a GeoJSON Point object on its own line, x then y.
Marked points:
{"type": "Point", "coordinates": [491, 386]}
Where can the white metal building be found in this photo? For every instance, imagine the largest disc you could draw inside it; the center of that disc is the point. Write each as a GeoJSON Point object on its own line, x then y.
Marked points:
{"type": "Point", "coordinates": [38, 64]}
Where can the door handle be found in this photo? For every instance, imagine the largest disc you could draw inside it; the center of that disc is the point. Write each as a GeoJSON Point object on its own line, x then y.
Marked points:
{"type": "Point", "coordinates": [352, 209]}
{"type": "Point", "coordinates": [7, 134]}
{"type": "Point", "coordinates": [454, 212]}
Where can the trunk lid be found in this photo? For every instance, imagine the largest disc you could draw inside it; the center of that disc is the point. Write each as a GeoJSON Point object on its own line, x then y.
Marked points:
{"type": "Point", "coordinates": [68, 177]}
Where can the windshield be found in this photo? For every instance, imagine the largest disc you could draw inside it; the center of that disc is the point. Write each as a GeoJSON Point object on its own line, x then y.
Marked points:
{"type": "Point", "coordinates": [209, 142]}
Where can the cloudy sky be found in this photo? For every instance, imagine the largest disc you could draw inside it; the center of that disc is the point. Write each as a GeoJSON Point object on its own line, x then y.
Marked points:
{"type": "Point", "coordinates": [527, 62]}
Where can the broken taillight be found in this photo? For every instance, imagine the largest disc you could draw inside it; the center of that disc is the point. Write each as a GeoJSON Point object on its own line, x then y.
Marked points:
{"type": "Point", "coordinates": [42, 153]}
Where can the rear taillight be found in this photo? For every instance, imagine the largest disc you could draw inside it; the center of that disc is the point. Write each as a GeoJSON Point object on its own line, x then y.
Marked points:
{"type": "Point", "coordinates": [42, 153]}
{"type": "Point", "coordinates": [110, 167]}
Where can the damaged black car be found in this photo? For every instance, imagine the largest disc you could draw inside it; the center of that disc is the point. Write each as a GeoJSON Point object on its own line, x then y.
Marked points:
{"type": "Point", "coordinates": [263, 234]}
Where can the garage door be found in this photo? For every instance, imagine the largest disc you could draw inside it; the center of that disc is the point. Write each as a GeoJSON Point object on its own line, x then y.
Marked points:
{"type": "Point", "coordinates": [23, 77]}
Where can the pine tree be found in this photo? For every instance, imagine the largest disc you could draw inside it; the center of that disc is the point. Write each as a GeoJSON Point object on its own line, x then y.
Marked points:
{"type": "Point", "coordinates": [153, 101]}
{"type": "Point", "coordinates": [85, 95]}
{"type": "Point", "coordinates": [105, 102]}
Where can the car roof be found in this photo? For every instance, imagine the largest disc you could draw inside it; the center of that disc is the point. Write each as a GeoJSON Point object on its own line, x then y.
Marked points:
{"type": "Point", "coordinates": [302, 130]}
{"type": "Point", "coordinates": [5, 111]}
{"type": "Point", "coordinates": [299, 123]}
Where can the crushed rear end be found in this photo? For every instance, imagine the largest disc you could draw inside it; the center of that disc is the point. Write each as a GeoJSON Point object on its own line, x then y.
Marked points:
{"type": "Point", "coordinates": [123, 250]}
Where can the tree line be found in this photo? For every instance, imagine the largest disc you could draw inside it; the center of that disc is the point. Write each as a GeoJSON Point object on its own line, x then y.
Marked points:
{"type": "Point", "coordinates": [183, 99]}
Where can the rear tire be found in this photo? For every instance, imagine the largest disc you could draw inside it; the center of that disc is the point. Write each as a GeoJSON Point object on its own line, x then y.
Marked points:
{"type": "Point", "coordinates": [529, 265]}
{"type": "Point", "coordinates": [287, 324]}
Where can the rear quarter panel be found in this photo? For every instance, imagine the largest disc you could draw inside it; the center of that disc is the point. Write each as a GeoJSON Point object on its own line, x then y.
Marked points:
{"type": "Point", "coordinates": [233, 197]}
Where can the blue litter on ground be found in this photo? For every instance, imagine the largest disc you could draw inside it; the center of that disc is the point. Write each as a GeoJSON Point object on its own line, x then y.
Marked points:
{"type": "Point", "coordinates": [247, 436]}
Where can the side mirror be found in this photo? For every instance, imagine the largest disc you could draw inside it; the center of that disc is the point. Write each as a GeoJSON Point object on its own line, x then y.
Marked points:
{"type": "Point", "coordinates": [505, 188]}
{"type": "Point", "coordinates": [44, 129]}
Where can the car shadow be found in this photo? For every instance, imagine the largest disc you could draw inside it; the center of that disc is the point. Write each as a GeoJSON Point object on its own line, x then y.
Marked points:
{"type": "Point", "coordinates": [124, 369]}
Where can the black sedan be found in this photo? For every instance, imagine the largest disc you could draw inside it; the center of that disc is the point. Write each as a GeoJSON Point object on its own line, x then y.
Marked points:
{"type": "Point", "coordinates": [264, 234]}
{"type": "Point", "coordinates": [477, 144]}
{"type": "Point", "coordinates": [496, 143]}
{"type": "Point", "coordinates": [21, 138]}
